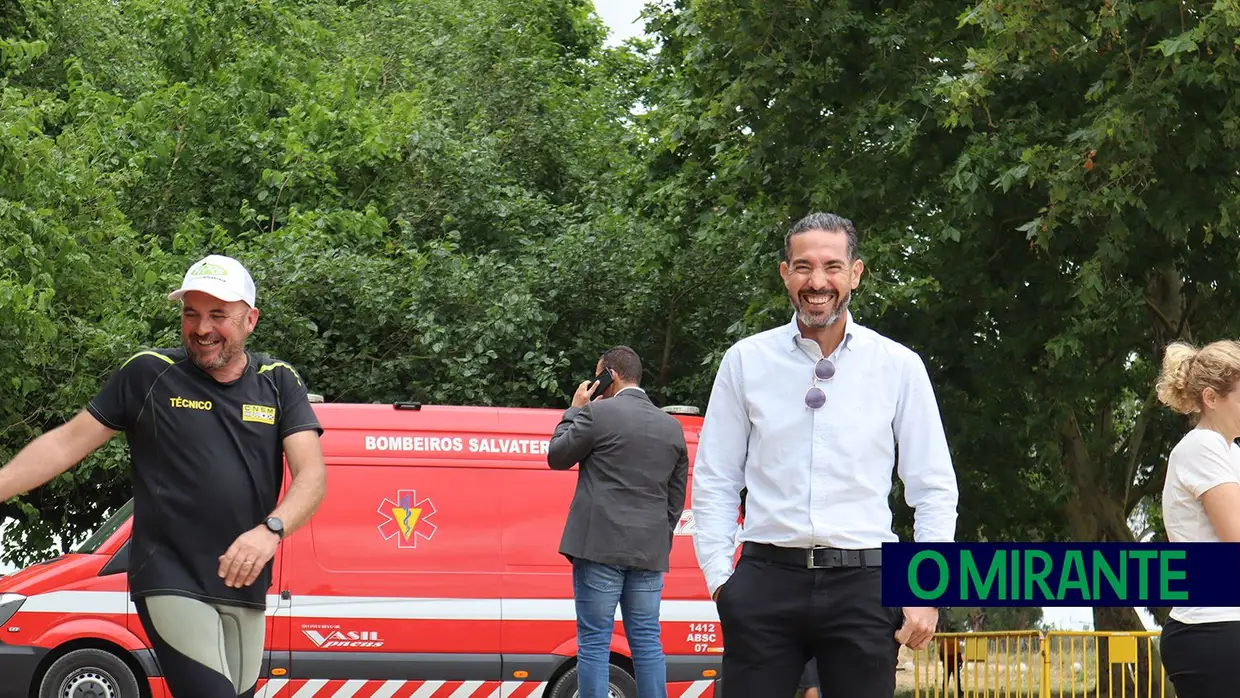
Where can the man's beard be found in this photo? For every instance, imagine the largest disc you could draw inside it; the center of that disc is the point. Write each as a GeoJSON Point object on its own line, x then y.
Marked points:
{"type": "Point", "coordinates": [228, 351]}
{"type": "Point", "coordinates": [821, 320]}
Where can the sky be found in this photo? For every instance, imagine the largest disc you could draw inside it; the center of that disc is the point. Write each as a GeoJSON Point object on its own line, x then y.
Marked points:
{"type": "Point", "coordinates": [622, 18]}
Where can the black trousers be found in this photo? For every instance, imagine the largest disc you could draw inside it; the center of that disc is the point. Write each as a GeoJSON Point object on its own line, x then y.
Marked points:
{"type": "Point", "coordinates": [775, 618]}
{"type": "Point", "coordinates": [1200, 658]}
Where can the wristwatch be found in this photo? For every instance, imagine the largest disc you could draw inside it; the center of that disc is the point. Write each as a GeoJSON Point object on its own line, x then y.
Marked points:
{"type": "Point", "coordinates": [275, 525]}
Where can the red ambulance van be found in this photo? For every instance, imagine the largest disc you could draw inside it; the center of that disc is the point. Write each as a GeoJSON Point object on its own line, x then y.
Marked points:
{"type": "Point", "coordinates": [430, 571]}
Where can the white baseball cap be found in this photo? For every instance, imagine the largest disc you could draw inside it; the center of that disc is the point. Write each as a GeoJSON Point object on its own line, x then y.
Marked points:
{"type": "Point", "coordinates": [219, 276]}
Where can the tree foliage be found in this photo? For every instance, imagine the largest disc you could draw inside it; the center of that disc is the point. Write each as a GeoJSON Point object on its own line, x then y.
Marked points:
{"type": "Point", "coordinates": [437, 203]}
{"type": "Point", "coordinates": [469, 201]}
{"type": "Point", "coordinates": [1047, 196]}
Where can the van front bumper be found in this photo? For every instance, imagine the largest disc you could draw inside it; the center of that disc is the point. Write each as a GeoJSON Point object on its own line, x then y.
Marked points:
{"type": "Point", "coordinates": [17, 666]}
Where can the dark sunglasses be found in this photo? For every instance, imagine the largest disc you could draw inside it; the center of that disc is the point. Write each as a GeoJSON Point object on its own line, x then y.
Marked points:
{"type": "Point", "coordinates": [823, 370]}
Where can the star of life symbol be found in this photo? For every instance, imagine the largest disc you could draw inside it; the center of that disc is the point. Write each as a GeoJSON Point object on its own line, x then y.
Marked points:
{"type": "Point", "coordinates": [407, 519]}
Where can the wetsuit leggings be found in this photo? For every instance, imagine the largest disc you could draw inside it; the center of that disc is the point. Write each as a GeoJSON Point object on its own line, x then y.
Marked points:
{"type": "Point", "coordinates": [204, 650]}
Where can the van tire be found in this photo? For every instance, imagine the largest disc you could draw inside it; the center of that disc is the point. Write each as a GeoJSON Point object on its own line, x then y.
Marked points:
{"type": "Point", "coordinates": [108, 675]}
{"type": "Point", "coordinates": [621, 683]}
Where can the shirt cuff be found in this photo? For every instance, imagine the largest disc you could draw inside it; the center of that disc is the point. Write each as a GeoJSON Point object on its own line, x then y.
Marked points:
{"type": "Point", "coordinates": [717, 576]}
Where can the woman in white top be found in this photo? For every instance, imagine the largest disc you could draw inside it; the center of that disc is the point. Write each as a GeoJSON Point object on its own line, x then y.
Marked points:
{"type": "Point", "coordinates": [1201, 503]}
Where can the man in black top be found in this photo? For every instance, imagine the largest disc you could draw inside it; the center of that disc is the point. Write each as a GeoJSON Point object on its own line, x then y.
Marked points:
{"type": "Point", "coordinates": [618, 536]}
{"type": "Point", "coordinates": [208, 425]}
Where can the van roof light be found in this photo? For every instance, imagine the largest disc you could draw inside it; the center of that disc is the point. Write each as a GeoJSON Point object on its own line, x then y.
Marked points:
{"type": "Point", "coordinates": [682, 409]}
{"type": "Point", "coordinates": [314, 397]}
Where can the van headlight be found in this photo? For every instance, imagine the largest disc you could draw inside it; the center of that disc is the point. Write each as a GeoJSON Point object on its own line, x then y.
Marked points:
{"type": "Point", "coordinates": [9, 603]}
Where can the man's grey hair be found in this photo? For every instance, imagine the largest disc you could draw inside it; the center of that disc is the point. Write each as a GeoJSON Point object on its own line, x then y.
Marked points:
{"type": "Point", "coordinates": [826, 222]}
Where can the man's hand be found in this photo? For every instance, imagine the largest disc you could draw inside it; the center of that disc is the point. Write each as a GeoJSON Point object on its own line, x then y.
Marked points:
{"type": "Point", "coordinates": [585, 393]}
{"type": "Point", "coordinates": [918, 628]}
{"type": "Point", "coordinates": [247, 556]}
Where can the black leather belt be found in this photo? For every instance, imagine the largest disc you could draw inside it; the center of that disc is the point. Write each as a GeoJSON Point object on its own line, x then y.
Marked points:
{"type": "Point", "coordinates": [814, 558]}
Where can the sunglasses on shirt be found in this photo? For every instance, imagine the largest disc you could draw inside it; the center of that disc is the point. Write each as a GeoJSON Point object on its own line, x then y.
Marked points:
{"type": "Point", "coordinates": [823, 370]}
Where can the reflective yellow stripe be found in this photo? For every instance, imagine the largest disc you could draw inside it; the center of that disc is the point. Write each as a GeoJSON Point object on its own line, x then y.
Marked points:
{"type": "Point", "coordinates": [281, 364]}
{"type": "Point", "coordinates": [147, 353]}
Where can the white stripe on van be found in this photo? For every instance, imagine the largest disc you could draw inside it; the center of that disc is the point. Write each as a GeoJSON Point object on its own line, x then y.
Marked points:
{"type": "Point", "coordinates": [388, 689]}
{"type": "Point", "coordinates": [511, 687]}
{"type": "Point", "coordinates": [310, 688]}
{"type": "Point", "coordinates": [386, 607]}
{"type": "Point", "coordinates": [269, 689]}
{"type": "Point", "coordinates": [95, 602]}
{"type": "Point", "coordinates": [350, 687]}
{"type": "Point", "coordinates": [427, 689]}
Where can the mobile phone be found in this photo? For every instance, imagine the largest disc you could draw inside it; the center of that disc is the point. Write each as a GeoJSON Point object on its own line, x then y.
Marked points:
{"type": "Point", "coordinates": [604, 382]}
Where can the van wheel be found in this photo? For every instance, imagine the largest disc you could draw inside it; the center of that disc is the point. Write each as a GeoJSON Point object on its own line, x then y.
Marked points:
{"type": "Point", "coordinates": [89, 673]}
{"type": "Point", "coordinates": [619, 684]}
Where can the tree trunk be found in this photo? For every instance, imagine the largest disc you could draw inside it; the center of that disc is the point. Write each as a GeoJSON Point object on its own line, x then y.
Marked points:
{"type": "Point", "coordinates": [1161, 614]}
{"type": "Point", "coordinates": [977, 620]}
{"type": "Point", "coordinates": [668, 334]}
{"type": "Point", "coordinates": [1095, 515]}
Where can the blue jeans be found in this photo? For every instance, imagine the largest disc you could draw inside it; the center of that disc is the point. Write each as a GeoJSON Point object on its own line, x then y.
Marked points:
{"type": "Point", "coordinates": [597, 590]}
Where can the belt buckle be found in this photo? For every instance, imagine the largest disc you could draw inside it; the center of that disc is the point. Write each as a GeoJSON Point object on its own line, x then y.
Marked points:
{"type": "Point", "coordinates": [832, 558]}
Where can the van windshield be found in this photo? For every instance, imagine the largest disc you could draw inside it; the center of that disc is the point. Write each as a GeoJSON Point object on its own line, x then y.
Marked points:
{"type": "Point", "coordinates": [106, 529]}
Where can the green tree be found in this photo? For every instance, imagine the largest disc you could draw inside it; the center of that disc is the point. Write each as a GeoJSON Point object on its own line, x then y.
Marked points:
{"type": "Point", "coordinates": [1047, 196]}
{"type": "Point", "coordinates": [445, 203]}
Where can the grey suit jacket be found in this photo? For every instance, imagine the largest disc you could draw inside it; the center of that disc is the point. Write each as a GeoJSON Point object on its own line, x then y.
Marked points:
{"type": "Point", "coordinates": [631, 483]}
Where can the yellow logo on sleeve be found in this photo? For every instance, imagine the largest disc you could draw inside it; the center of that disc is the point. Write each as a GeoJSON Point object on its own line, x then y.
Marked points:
{"type": "Point", "coordinates": [258, 413]}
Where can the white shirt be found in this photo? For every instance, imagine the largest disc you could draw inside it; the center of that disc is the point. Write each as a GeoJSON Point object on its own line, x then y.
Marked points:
{"type": "Point", "coordinates": [818, 477]}
{"type": "Point", "coordinates": [1201, 460]}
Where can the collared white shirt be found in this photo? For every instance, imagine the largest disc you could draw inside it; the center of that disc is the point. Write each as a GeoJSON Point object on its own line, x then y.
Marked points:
{"type": "Point", "coordinates": [818, 477]}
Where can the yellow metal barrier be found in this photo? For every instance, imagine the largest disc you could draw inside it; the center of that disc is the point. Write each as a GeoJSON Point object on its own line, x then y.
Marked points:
{"type": "Point", "coordinates": [1058, 664]}
{"type": "Point", "coordinates": [1116, 664]}
{"type": "Point", "coordinates": [976, 664]}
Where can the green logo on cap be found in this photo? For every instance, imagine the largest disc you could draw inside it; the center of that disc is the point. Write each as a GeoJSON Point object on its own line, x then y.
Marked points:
{"type": "Point", "coordinates": [208, 269]}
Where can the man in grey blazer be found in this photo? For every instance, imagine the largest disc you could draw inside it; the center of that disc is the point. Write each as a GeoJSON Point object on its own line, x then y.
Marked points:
{"type": "Point", "coordinates": [618, 534]}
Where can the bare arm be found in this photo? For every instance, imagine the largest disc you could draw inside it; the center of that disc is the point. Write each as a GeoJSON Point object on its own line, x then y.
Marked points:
{"type": "Point", "coordinates": [304, 453]}
{"type": "Point", "coordinates": [52, 453]}
{"type": "Point", "coordinates": [1222, 505]}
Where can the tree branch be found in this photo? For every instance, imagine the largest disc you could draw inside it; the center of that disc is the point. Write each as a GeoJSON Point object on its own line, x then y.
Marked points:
{"type": "Point", "coordinates": [1137, 438]}
{"type": "Point", "coordinates": [1150, 488]}
{"type": "Point", "coordinates": [1166, 321]}
{"type": "Point", "coordinates": [1086, 471]}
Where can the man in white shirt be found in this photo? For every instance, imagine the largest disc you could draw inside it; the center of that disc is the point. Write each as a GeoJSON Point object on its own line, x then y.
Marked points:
{"type": "Point", "coordinates": [807, 417]}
